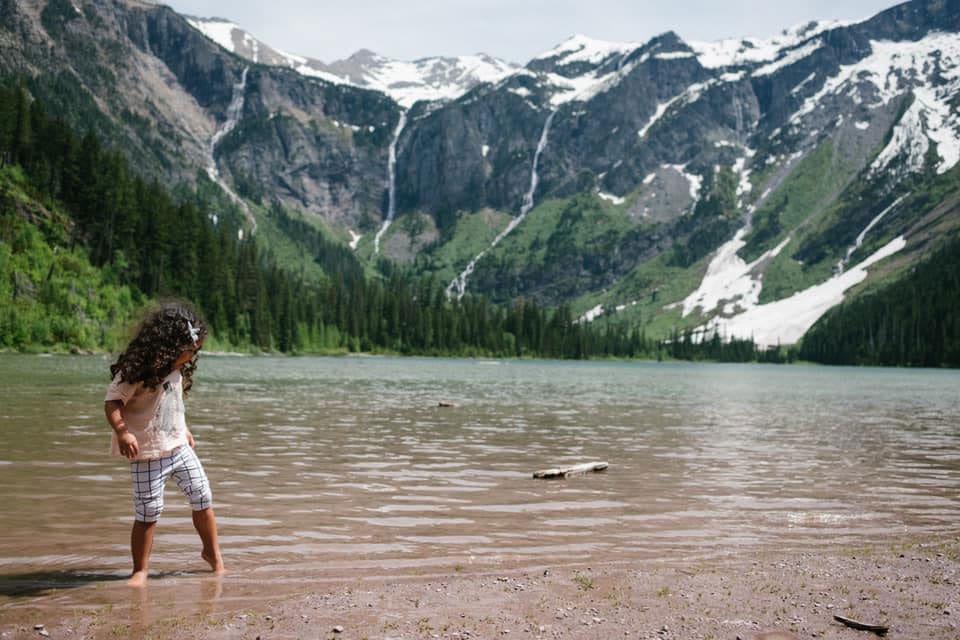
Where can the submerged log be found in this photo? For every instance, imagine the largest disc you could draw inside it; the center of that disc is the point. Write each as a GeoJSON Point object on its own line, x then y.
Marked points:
{"type": "Point", "coordinates": [566, 472]}
{"type": "Point", "coordinates": [878, 629]}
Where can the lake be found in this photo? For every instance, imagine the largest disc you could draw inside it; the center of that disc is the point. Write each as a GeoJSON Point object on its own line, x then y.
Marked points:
{"type": "Point", "coordinates": [325, 468]}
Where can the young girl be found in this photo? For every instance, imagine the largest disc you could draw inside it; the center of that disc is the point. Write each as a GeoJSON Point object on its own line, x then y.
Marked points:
{"type": "Point", "coordinates": [144, 405]}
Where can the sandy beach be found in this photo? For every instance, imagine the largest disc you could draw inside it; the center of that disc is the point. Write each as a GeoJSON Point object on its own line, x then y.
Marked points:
{"type": "Point", "coordinates": [914, 590]}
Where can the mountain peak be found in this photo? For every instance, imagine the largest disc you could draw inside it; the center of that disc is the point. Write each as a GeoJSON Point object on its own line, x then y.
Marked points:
{"type": "Point", "coordinates": [365, 56]}
{"type": "Point", "coordinates": [581, 48]}
{"type": "Point", "coordinates": [732, 52]}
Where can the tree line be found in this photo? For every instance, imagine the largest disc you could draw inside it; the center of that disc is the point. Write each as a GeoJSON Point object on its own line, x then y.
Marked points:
{"type": "Point", "coordinates": [144, 239]}
{"type": "Point", "coordinates": [914, 321]}
{"type": "Point", "coordinates": [141, 236]}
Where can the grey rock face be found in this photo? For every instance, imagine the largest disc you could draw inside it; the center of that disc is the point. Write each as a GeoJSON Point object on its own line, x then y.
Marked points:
{"type": "Point", "coordinates": [650, 123]}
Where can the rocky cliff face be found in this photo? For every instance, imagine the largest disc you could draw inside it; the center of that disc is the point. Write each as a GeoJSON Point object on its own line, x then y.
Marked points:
{"type": "Point", "coordinates": [647, 127]}
{"type": "Point", "coordinates": [150, 83]}
{"type": "Point", "coordinates": [621, 167]}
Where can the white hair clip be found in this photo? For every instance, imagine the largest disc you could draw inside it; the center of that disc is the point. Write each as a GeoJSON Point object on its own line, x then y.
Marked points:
{"type": "Point", "coordinates": [194, 332]}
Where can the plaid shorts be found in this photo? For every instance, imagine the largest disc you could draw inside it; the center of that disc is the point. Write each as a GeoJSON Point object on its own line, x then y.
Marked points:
{"type": "Point", "coordinates": [149, 477]}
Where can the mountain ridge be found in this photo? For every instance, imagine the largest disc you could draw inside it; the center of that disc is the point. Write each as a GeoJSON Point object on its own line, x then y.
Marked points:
{"type": "Point", "coordinates": [611, 173]}
{"type": "Point", "coordinates": [429, 78]}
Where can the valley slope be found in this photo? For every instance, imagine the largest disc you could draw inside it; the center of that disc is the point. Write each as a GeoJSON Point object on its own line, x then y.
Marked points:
{"type": "Point", "coordinates": [743, 187]}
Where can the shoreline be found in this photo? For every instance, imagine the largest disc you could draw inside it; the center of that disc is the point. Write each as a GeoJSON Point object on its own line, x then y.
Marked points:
{"type": "Point", "coordinates": [912, 588]}
{"type": "Point", "coordinates": [506, 359]}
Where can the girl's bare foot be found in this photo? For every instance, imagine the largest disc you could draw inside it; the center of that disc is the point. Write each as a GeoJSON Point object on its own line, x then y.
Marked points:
{"type": "Point", "coordinates": [138, 579]}
{"type": "Point", "coordinates": [215, 562]}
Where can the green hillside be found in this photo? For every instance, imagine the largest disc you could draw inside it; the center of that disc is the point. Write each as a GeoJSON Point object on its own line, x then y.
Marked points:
{"type": "Point", "coordinates": [86, 242]}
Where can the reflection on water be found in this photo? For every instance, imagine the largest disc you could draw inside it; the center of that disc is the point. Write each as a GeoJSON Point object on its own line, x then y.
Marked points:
{"type": "Point", "coordinates": [325, 468]}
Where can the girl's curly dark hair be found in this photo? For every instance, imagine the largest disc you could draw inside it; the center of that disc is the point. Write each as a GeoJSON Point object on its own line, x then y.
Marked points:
{"type": "Point", "coordinates": [163, 335]}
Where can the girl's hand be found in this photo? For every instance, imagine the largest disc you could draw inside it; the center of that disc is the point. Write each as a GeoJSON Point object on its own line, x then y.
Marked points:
{"type": "Point", "coordinates": [190, 439]}
{"type": "Point", "coordinates": [128, 445]}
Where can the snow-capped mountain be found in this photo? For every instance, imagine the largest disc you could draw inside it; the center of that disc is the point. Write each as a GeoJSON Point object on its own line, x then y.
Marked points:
{"type": "Point", "coordinates": [744, 186]}
{"type": "Point", "coordinates": [431, 79]}
{"type": "Point", "coordinates": [743, 52]}
{"type": "Point", "coordinates": [922, 75]}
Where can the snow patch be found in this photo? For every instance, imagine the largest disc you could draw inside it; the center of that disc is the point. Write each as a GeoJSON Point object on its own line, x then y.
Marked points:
{"type": "Point", "coordinates": [744, 51]}
{"type": "Point", "coordinates": [354, 239]}
{"type": "Point", "coordinates": [908, 141]}
{"type": "Point", "coordinates": [695, 181]}
{"type": "Point", "coordinates": [690, 95]}
{"type": "Point", "coordinates": [793, 56]}
{"type": "Point", "coordinates": [797, 89]}
{"type": "Point", "coordinates": [220, 31]}
{"type": "Point", "coordinates": [580, 48]}
{"type": "Point", "coordinates": [591, 314]}
{"type": "Point", "coordinates": [597, 311]}
{"type": "Point", "coordinates": [929, 118]}
{"type": "Point", "coordinates": [674, 55]}
{"type": "Point", "coordinates": [611, 198]}
{"type": "Point", "coordinates": [895, 68]}
{"type": "Point", "coordinates": [340, 125]}
{"type": "Point", "coordinates": [586, 86]}
{"type": "Point", "coordinates": [433, 79]}
{"type": "Point", "coordinates": [305, 69]}
{"type": "Point", "coordinates": [739, 167]}
{"type": "Point", "coordinates": [785, 321]}
{"type": "Point", "coordinates": [729, 278]}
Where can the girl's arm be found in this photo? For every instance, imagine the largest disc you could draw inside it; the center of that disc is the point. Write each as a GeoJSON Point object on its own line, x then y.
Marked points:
{"type": "Point", "coordinates": [127, 441]}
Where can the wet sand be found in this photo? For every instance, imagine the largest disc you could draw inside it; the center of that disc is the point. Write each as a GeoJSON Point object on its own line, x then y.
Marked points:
{"type": "Point", "coordinates": [912, 589]}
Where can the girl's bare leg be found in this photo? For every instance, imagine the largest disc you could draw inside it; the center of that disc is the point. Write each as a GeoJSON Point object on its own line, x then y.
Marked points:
{"type": "Point", "coordinates": [141, 543]}
{"type": "Point", "coordinates": [206, 525]}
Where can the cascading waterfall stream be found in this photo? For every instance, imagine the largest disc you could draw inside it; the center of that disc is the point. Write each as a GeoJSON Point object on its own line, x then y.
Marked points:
{"type": "Point", "coordinates": [234, 112]}
{"type": "Point", "coordinates": [459, 284]}
{"type": "Point", "coordinates": [738, 114]}
{"type": "Point", "coordinates": [391, 181]}
{"type": "Point", "coordinates": [842, 265]}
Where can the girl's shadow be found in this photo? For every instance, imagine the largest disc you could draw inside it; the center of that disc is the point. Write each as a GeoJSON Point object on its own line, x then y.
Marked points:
{"type": "Point", "coordinates": [39, 582]}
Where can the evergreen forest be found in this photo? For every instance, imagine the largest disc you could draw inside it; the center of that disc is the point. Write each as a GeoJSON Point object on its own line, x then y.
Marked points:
{"type": "Point", "coordinates": [911, 322]}
{"type": "Point", "coordinates": [85, 242]}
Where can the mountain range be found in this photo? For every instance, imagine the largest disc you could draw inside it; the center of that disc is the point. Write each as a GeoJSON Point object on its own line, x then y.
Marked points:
{"type": "Point", "coordinates": [742, 187]}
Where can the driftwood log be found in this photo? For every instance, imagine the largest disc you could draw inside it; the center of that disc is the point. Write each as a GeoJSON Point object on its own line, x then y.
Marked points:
{"type": "Point", "coordinates": [878, 629]}
{"type": "Point", "coordinates": [566, 472]}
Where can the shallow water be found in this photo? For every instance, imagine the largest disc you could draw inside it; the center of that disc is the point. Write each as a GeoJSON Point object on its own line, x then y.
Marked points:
{"type": "Point", "coordinates": [328, 468]}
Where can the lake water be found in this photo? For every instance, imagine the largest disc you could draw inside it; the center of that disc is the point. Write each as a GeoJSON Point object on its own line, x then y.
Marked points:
{"type": "Point", "coordinates": [326, 468]}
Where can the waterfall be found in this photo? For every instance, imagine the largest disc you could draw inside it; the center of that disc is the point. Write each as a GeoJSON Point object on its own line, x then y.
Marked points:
{"type": "Point", "coordinates": [391, 181]}
{"type": "Point", "coordinates": [738, 114]}
{"type": "Point", "coordinates": [234, 112]}
{"type": "Point", "coordinates": [460, 282]}
{"type": "Point", "coordinates": [863, 234]}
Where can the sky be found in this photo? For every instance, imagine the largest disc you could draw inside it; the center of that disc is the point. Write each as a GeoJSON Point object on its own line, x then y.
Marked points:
{"type": "Point", "coordinates": [514, 30]}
